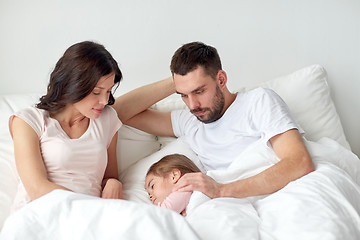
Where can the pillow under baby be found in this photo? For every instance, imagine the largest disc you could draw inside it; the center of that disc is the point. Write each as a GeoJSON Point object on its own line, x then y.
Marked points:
{"type": "Point", "coordinates": [133, 178]}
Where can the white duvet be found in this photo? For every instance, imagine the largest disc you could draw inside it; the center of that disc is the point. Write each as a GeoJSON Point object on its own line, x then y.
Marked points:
{"type": "Point", "coordinates": [324, 204]}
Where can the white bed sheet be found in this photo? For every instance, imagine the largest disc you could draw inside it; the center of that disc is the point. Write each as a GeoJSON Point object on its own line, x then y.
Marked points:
{"type": "Point", "coordinates": [324, 204]}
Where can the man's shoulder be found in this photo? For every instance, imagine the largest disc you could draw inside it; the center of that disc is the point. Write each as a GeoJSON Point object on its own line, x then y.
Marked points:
{"type": "Point", "coordinates": [261, 91]}
{"type": "Point", "coordinates": [183, 121]}
{"type": "Point", "coordinates": [260, 94]}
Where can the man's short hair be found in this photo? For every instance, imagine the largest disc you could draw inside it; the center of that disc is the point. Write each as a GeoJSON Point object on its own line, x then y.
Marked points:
{"type": "Point", "coordinates": [192, 55]}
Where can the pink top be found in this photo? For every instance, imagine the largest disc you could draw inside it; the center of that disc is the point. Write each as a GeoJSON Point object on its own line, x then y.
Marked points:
{"type": "Point", "coordinates": [176, 201]}
{"type": "Point", "coordinates": [77, 164]}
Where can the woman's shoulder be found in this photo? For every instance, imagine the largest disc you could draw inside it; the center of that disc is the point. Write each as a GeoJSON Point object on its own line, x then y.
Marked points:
{"type": "Point", "coordinates": [32, 110]}
{"type": "Point", "coordinates": [108, 118]}
{"type": "Point", "coordinates": [33, 116]}
{"type": "Point", "coordinates": [32, 113]}
{"type": "Point", "coordinates": [109, 110]}
{"type": "Point", "coordinates": [108, 113]}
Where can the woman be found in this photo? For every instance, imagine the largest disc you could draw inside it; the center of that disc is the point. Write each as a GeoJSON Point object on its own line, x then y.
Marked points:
{"type": "Point", "coordinates": [68, 141]}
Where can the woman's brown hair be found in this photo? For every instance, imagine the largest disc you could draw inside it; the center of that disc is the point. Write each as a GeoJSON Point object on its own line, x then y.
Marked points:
{"type": "Point", "coordinates": [76, 75]}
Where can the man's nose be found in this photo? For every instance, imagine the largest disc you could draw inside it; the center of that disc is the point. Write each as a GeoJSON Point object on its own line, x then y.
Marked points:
{"type": "Point", "coordinates": [193, 102]}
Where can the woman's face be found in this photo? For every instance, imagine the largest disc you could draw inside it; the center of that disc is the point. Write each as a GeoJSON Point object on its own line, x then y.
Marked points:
{"type": "Point", "coordinates": [158, 187]}
{"type": "Point", "coordinates": [93, 104]}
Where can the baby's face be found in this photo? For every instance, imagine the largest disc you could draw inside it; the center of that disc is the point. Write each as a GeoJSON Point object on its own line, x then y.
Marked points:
{"type": "Point", "coordinates": [158, 187]}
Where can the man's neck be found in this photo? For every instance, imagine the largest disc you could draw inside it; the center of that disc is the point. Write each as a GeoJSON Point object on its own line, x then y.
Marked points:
{"type": "Point", "coordinates": [229, 99]}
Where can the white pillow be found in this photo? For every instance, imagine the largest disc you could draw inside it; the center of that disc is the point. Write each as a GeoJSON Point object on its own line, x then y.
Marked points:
{"type": "Point", "coordinates": [133, 178]}
{"type": "Point", "coordinates": [307, 94]}
{"type": "Point", "coordinates": [134, 145]}
{"type": "Point", "coordinates": [172, 102]}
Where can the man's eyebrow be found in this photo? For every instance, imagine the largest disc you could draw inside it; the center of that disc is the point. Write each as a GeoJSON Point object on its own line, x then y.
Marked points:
{"type": "Point", "coordinates": [195, 90]}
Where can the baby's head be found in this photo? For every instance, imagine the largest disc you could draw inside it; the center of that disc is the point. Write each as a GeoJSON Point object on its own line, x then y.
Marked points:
{"type": "Point", "coordinates": [163, 174]}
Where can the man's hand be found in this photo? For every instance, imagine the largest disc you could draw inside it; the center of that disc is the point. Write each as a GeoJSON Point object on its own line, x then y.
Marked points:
{"type": "Point", "coordinates": [199, 182]}
{"type": "Point", "coordinates": [112, 189]}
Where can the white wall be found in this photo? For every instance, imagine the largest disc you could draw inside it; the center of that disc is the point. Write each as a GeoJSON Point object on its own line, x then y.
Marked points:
{"type": "Point", "coordinates": [257, 40]}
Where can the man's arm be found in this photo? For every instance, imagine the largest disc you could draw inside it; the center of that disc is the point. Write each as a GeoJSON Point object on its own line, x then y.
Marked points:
{"type": "Point", "coordinates": [295, 162]}
{"type": "Point", "coordinates": [133, 108]}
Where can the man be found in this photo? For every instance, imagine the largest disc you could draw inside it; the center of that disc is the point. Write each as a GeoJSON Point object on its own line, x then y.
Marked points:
{"type": "Point", "coordinates": [219, 125]}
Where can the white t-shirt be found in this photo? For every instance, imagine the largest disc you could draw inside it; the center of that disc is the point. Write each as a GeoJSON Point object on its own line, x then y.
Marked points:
{"type": "Point", "coordinates": [77, 164]}
{"type": "Point", "coordinates": [255, 115]}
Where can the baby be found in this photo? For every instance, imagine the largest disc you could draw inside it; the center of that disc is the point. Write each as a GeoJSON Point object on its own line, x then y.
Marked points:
{"type": "Point", "coordinates": [161, 178]}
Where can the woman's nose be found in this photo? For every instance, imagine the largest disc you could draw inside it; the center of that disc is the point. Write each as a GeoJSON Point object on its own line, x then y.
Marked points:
{"type": "Point", "coordinates": [104, 100]}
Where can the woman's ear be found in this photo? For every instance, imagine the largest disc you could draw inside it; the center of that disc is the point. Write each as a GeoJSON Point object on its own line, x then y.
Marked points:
{"type": "Point", "coordinates": [175, 175]}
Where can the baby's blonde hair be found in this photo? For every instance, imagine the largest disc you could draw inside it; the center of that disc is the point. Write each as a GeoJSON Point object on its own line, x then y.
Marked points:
{"type": "Point", "coordinates": [170, 162]}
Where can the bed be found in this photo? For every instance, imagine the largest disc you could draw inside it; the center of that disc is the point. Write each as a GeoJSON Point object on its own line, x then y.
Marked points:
{"type": "Point", "coordinates": [324, 204]}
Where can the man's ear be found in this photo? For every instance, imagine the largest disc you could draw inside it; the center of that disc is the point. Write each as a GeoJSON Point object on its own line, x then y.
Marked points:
{"type": "Point", "coordinates": [175, 175]}
{"type": "Point", "coordinates": [221, 78]}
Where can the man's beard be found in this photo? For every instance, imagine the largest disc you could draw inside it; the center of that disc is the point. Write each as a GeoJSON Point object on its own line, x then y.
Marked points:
{"type": "Point", "coordinates": [215, 112]}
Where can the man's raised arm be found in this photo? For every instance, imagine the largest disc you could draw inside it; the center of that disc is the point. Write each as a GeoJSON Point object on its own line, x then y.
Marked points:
{"type": "Point", "coordinates": [133, 107]}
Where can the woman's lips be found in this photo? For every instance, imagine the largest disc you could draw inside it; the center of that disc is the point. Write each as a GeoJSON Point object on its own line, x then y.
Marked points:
{"type": "Point", "coordinates": [98, 110]}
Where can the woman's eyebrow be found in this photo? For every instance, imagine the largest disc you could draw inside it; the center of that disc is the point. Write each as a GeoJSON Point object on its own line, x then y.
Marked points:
{"type": "Point", "coordinates": [103, 87]}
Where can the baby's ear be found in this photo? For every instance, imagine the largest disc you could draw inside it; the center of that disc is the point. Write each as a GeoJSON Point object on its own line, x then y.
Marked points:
{"type": "Point", "coordinates": [175, 175]}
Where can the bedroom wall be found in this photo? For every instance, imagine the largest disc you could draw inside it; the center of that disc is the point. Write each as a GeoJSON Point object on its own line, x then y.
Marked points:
{"type": "Point", "coordinates": [257, 40]}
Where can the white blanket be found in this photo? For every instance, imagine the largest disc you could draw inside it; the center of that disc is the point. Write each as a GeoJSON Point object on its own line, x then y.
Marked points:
{"type": "Point", "coordinates": [66, 215]}
{"type": "Point", "coordinates": [324, 204]}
